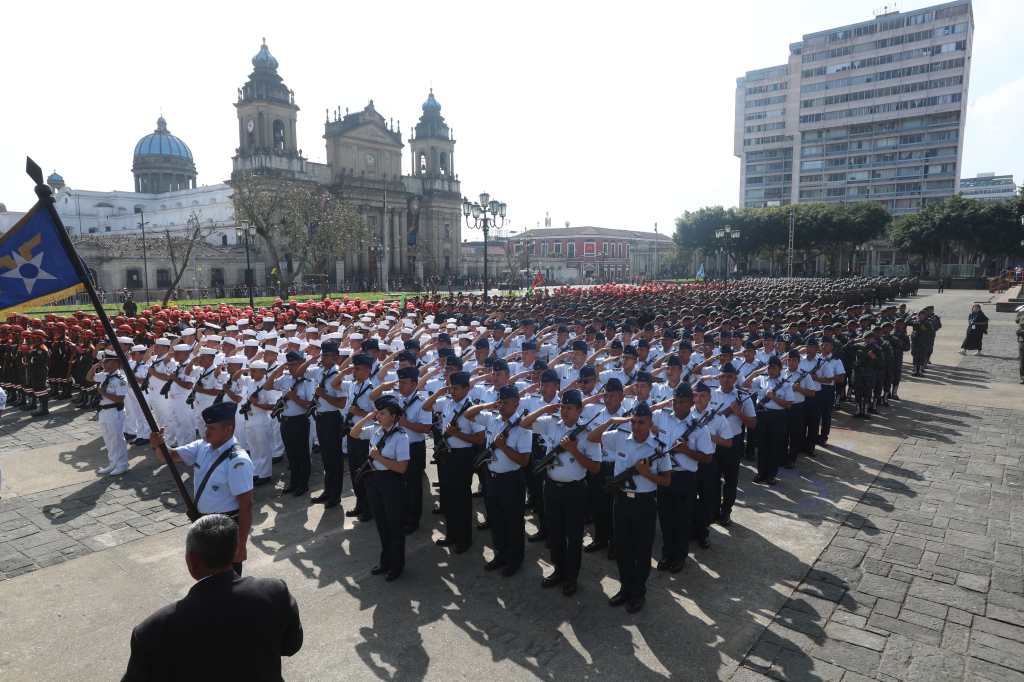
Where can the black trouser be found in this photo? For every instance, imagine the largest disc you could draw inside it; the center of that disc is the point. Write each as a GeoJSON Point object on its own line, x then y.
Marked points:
{"type": "Point", "coordinates": [457, 495]}
{"type": "Point", "coordinates": [505, 501]}
{"type": "Point", "coordinates": [675, 511]}
{"type": "Point", "coordinates": [706, 506]}
{"type": "Point", "coordinates": [752, 442]}
{"type": "Point", "coordinates": [771, 424]}
{"type": "Point", "coordinates": [295, 434]}
{"type": "Point", "coordinates": [812, 422]}
{"type": "Point", "coordinates": [413, 509]}
{"type": "Point", "coordinates": [634, 532]}
{"type": "Point", "coordinates": [328, 433]}
{"type": "Point", "coordinates": [535, 483]}
{"type": "Point", "coordinates": [600, 502]}
{"type": "Point", "coordinates": [729, 473]}
{"type": "Point", "coordinates": [384, 493]}
{"type": "Point", "coordinates": [358, 451]}
{"type": "Point", "coordinates": [826, 397]}
{"type": "Point", "coordinates": [794, 432]}
{"type": "Point", "coordinates": [897, 374]}
{"type": "Point", "coordinates": [564, 507]}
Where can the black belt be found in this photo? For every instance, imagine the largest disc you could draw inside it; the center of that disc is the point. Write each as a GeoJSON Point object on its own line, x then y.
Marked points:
{"type": "Point", "coordinates": [463, 450]}
{"type": "Point", "coordinates": [295, 416]}
{"type": "Point", "coordinates": [633, 493]}
{"type": "Point", "coordinates": [119, 406]}
{"type": "Point", "coordinates": [495, 474]}
{"type": "Point", "coordinates": [566, 484]}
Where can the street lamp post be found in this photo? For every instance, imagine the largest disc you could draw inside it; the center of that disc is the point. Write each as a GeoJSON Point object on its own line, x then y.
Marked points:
{"type": "Point", "coordinates": [145, 259]}
{"type": "Point", "coordinates": [244, 233]}
{"type": "Point", "coordinates": [485, 215]}
{"type": "Point", "coordinates": [726, 235]}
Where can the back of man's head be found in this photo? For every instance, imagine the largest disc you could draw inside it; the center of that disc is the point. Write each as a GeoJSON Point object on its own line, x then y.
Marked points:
{"type": "Point", "coordinates": [210, 545]}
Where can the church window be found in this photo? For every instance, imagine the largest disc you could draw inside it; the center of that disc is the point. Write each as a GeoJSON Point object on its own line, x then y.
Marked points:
{"type": "Point", "coordinates": [279, 135]}
{"type": "Point", "coordinates": [133, 278]}
{"type": "Point", "coordinates": [223, 240]}
{"type": "Point", "coordinates": [544, 249]}
{"type": "Point", "coordinates": [558, 248]}
{"type": "Point", "coordinates": [444, 163]}
{"type": "Point", "coordinates": [421, 163]}
{"type": "Point", "coordinates": [163, 278]}
{"type": "Point", "coordinates": [571, 250]}
{"type": "Point", "coordinates": [604, 248]}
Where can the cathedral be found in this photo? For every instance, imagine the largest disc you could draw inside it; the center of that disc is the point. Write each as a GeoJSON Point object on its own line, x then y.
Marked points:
{"type": "Point", "coordinates": [414, 219]}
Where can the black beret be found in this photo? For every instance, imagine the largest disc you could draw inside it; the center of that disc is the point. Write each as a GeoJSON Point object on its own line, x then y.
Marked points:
{"type": "Point", "coordinates": [645, 377]}
{"type": "Point", "coordinates": [482, 343]}
{"type": "Point", "coordinates": [370, 344]}
{"type": "Point", "coordinates": [328, 347]}
{"type": "Point", "coordinates": [629, 350]}
{"type": "Point", "coordinates": [529, 345]}
{"type": "Point", "coordinates": [294, 356]}
{"type": "Point", "coordinates": [454, 361]}
{"type": "Point", "coordinates": [408, 373]}
{"type": "Point", "coordinates": [406, 356]}
{"type": "Point", "coordinates": [508, 392]}
{"type": "Point", "coordinates": [793, 354]}
{"type": "Point", "coordinates": [572, 397]}
{"type": "Point", "coordinates": [362, 360]}
{"type": "Point", "coordinates": [579, 344]}
{"type": "Point", "coordinates": [701, 387]}
{"type": "Point", "coordinates": [549, 375]}
{"type": "Point", "coordinates": [674, 361]}
{"type": "Point", "coordinates": [774, 361]}
{"type": "Point", "coordinates": [683, 390]}
{"type": "Point", "coordinates": [499, 365]}
{"type": "Point", "coordinates": [411, 344]}
{"type": "Point", "coordinates": [642, 409]}
{"type": "Point", "coordinates": [613, 385]}
{"type": "Point", "coordinates": [460, 379]}
{"type": "Point", "coordinates": [444, 337]}
{"type": "Point", "coordinates": [539, 365]}
{"type": "Point", "coordinates": [388, 402]}
{"type": "Point", "coordinates": [643, 343]}
{"type": "Point", "coordinates": [220, 412]}
{"type": "Point", "coordinates": [587, 372]}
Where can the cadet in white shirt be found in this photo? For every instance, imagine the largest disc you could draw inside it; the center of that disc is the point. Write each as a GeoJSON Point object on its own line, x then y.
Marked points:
{"type": "Point", "coordinates": [357, 448]}
{"type": "Point", "coordinates": [330, 401]}
{"type": "Point", "coordinates": [297, 395]}
{"type": "Point", "coordinates": [112, 389]}
{"type": "Point", "coordinates": [221, 472]}
{"type": "Point", "coordinates": [506, 453]}
{"type": "Point", "coordinates": [417, 424]}
{"type": "Point", "coordinates": [740, 414]}
{"type": "Point", "coordinates": [818, 372]}
{"type": "Point", "coordinates": [709, 489]}
{"type": "Point", "coordinates": [565, 489]}
{"type": "Point", "coordinates": [774, 395]}
{"type": "Point", "coordinates": [387, 460]}
{"type": "Point", "coordinates": [604, 451]}
{"type": "Point", "coordinates": [462, 438]}
{"type": "Point", "coordinates": [642, 464]}
{"type": "Point", "coordinates": [258, 398]}
{"type": "Point", "coordinates": [799, 381]}
{"type": "Point", "coordinates": [135, 423]}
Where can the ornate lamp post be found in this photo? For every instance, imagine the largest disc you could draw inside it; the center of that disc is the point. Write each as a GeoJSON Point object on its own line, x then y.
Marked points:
{"type": "Point", "coordinates": [244, 232]}
{"type": "Point", "coordinates": [485, 215]}
{"type": "Point", "coordinates": [725, 236]}
{"type": "Point", "coordinates": [145, 261]}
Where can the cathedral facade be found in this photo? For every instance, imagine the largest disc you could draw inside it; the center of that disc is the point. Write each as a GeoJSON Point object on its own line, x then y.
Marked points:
{"type": "Point", "coordinates": [414, 218]}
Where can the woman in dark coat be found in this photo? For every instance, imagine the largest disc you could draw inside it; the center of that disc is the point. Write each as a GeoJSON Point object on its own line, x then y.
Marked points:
{"type": "Point", "coordinates": [977, 327]}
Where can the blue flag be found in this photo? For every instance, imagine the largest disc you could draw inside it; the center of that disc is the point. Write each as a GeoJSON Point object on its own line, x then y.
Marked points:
{"type": "Point", "coordinates": [700, 272]}
{"type": "Point", "coordinates": [35, 268]}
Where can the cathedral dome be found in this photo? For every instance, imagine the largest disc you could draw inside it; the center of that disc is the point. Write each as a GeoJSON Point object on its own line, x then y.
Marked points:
{"type": "Point", "coordinates": [431, 104]}
{"type": "Point", "coordinates": [264, 59]}
{"type": "Point", "coordinates": [54, 179]}
{"type": "Point", "coordinates": [161, 143]}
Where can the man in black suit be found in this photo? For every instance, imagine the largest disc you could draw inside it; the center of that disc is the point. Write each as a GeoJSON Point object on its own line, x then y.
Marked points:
{"type": "Point", "coordinates": [226, 627]}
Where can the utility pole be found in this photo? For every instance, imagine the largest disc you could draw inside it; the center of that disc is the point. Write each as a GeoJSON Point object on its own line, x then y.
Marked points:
{"type": "Point", "coordinates": [792, 235]}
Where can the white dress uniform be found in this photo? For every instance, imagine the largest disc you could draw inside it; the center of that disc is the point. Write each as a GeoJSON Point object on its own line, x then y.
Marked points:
{"type": "Point", "coordinates": [396, 447]}
{"type": "Point", "coordinates": [552, 429]}
{"type": "Point", "coordinates": [134, 421]}
{"type": "Point", "coordinates": [518, 439]}
{"type": "Point", "coordinates": [448, 407]}
{"type": "Point", "coordinates": [208, 379]}
{"type": "Point", "coordinates": [182, 425]}
{"type": "Point", "coordinates": [720, 399]}
{"type": "Point", "coordinates": [260, 427]}
{"type": "Point", "coordinates": [160, 406]}
{"type": "Point", "coordinates": [229, 480]}
{"type": "Point", "coordinates": [111, 420]}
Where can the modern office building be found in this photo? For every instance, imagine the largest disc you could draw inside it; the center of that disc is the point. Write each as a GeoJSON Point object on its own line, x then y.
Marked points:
{"type": "Point", "coordinates": [989, 187]}
{"type": "Point", "coordinates": [872, 111]}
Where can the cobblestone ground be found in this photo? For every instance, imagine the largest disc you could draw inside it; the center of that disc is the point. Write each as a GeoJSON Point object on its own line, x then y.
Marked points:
{"type": "Point", "coordinates": [923, 580]}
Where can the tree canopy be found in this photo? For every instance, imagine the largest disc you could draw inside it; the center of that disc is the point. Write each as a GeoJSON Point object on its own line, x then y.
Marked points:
{"type": "Point", "coordinates": [979, 228]}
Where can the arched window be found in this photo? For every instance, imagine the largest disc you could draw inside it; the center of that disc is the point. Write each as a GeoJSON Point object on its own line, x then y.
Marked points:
{"type": "Point", "coordinates": [444, 163]}
{"type": "Point", "coordinates": [421, 163]}
{"type": "Point", "coordinates": [279, 135]}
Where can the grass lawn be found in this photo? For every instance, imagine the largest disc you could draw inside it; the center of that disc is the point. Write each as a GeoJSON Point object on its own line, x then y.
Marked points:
{"type": "Point", "coordinates": [115, 308]}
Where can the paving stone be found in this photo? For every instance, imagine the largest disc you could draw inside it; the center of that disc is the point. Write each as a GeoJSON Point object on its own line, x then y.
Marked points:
{"type": "Point", "coordinates": [980, 669]}
{"type": "Point", "coordinates": [899, 651]}
{"type": "Point", "coordinates": [112, 538]}
{"type": "Point", "coordinates": [995, 627]}
{"type": "Point", "coordinates": [854, 635]}
{"type": "Point", "coordinates": [847, 618]}
{"type": "Point", "coordinates": [955, 638]}
{"type": "Point", "coordinates": [949, 595]}
{"type": "Point", "coordinates": [926, 607]}
{"type": "Point", "coordinates": [921, 619]}
{"type": "Point", "coordinates": [998, 650]}
{"type": "Point", "coordinates": [1005, 606]}
{"type": "Point", "coordinates": [794, 665]}
{"type": "Point", "coordinates": [912, 630]}
{"type": "Point", "coordinates": [886, 607]}
{"type": "Point", "coordinates": [903, 554]}
{"type": "Point", "coordinates": [848, 656]}
{"type": "Point", "coordinates": [883, 587]}
{"type": "Point", "coordinates": [973, 582]}
{"type": "Point", "coordinates": [935, 665]}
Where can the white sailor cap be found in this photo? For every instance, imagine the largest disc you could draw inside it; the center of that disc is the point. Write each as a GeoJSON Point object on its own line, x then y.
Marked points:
{"type": "Point", "coordinates": [127, 340]}
{"type": "Point", "coordinates": [208, 351]}
{"type": "Point", "coordinates": [214, 338]}
{"type": "Point", "coordinates": [188, 331]}
{"type": "Point", "coordinates": [294, 339]}
{"type": "Point", "coordinates": [356, 337]}
{"type": "Point", "coordinates": [272, 349]}
{"type": "Point", "coordinates": [450, 320]}
{"type": "Point", "coordinates": [211, 325]}
{"type": "Point", "coordinates": [251, 343]}
{"type": "Point", "coordinates": [163, 342]}
{"type": "Point", "coordinates": [429, 319]}
{"type": "Point", "coordinates": [231, 328]}
{"type": "Point", "coordinates": [269, 319]}
{"type": "Point", "coordinates": [235, 360]}
{"type": "Point", "coordinates": [314, 342]}
{"type": "Point", "coordinates": [291, 327]}
{"type": "Point", "coordinates": [312, 330]}
{"type": "Point", "coordinates": [462, 330]}
{"type": "Point", "coordinates": [250, 333]}
{"type": "Point", "coordinates": [242, 322]}
{"type": "Point", "coordinates": [270, 335]}
{"type": "Point", "coordinates": [182, 348]}
{"type": "Point", "coordinates": [474, 323]}
{"type": "Point", "coordinates": [232, 341]}
{"type": "Point", "coordinates": [257, 364]}
{"type": "Point", "coordinates": [138, 348]}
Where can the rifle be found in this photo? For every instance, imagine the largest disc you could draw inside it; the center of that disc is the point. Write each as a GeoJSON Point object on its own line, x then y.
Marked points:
{"type": "Point", "coordinates": [441, 446]}
{"type": "Point", "coordinates": [367, 466]}
{"type": "Point", "coordinates": [145, 382]}
{"type": "Point", "coordinates": [550, 458]}
{"type": "Point", "coordinates": [488, 454]}
{"type": "Point", "coordinates": [191, 399]}
{"type": "Point", "coordinates": [311, 412]}
{"type": "Point", "coordinates": [166, 388]}
{"type": "Point", "coordinates": [278, 411]}
{"type": "Point", "coordinates": [347, 423]}
{"type": "Point", "coordinates": [624, 480]}
{"type": "Point", "coordinates": [246, 409]}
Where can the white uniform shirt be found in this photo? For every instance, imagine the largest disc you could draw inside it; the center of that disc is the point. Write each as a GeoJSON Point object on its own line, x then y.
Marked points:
{"type": "Point", "coordinates": [613, 437]}
{"type": "Point", "coordinates": [764, 384]}
{"type": "Point", "coordinates": [812, 366]}
{"type": "Point", "coordinates": [208, 379]}
{"type": "Point", "coordinates": [359, 396]}
{"type": "Point", "coordinates": [717, 426]}
{"type": "Point", "coordinates": [630, 451]}
{"type": "Point", "coordinates": [673, 428]}
{"type": "Point", "coordinates": [553, 430]}
{"type": "Point", "coordinates": [836, 366]}
{"type": "Point", "coordinates": [323, 378]}
{"type": "Point", "coordinates": [396, 444]}
{"type": "Point", "coordinates": [117, 385]}
{"type": "Point", "coordinates": [720, 399]}
{"type": "Point", "coordinates": [303, 389]}
{"type": "Point", "coordinates": [229, 480]}
{"type": "Point", "coordinates": [448, 408]}
{"type": "Point", "coordinates": [518, 439]}
{"type": "Point", "coordinates": [797, 397]}
{"type": "Point", "coordinates": [267, 395]}
{"type": "Point", "coordinates": [414, 412]}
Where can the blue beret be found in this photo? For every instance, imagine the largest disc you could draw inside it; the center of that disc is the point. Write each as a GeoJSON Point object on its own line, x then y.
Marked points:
{"type": "Point", "coordinates": [508, 392]}
{"type": "Point", "coordinates": [539, 365]}
{"type": "Point", "coordinates": [643, 343]}
{"type": "Point", "coordinates": [685, 345]}
{"type": "Point", "coordinates": [411, 344]}
{"type": "Point", "coordinates": [645, 377]}
{"type": "Point", "coordinates": [482, 343]}
{"type": "Point", "coordinates": [579, 344]}
{"type": "Point", "coordinates": [563, 329]}
{"type": "Point", "coordinates": [613, 385]}
{"type": "Point", "coordinates": [362, 360]}
{"type": "Point", "coordinates": [500, 365]}
{"type": "Point", "coordinates": [460, 379]}
{"type": "Point", "coordinates": [220, 412]}
{"type": "Point", "coordinates": [328, 347]}
{"type": "Point", "coordinates": [683, 390]}
{"type": "Point", "coordinates": [793, 354]}
{"type": "Point", "coordinates": [587, 372]}
{"type": "Point", "coordinates": [529, 345]}
{"type": "Point", "coordinates": [407, 356]}
{"type": "Point", "coordinates": [572, 397]}
{"type": "Point", "coordinates": [674, 361]}
{"type": "Point", "coordinates": [701, 387]}
{"type": "Point", "coordinates": [727, 368]}
{"type": "Point", "coordinates": [408, 373]}
{"type": "Point", "coordinates": [444, 337]}
{"type": "Point", "coordinates": [370, 344]}
{"type": "Point", "coordinates": [454, 361]}
{"type": "Point", "coordinates": [388, 402]}
{"type": "Point", "coordinates": [294, 356]}
{"type": "Point", "coordinates": [642, 409]}
{"type": "Point", "coordinates": [549, 375]}
{"type": "Point", "coordinates": [774, 361]}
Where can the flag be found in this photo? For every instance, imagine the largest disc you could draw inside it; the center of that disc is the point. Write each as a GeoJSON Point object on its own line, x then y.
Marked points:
{"type": "Point", "coordinates": [35, 268]}
{"type": "Point", "coordinates": [700, 272]}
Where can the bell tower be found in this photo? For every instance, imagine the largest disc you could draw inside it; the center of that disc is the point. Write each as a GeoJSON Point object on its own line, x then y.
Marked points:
{"type": "Point", "coordinates": [432, 144]}
{"type": "Point", "coordinates": [267, 114]}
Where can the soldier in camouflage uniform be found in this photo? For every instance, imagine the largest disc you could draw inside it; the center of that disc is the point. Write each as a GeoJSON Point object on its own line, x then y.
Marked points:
{"type": "Point", "coordinates": [863, 376]}
{"type": "Point", "coordinates": [61, 352]}
{"type": "Point", "coordinates": [883, 387]}
{"type": "Point", "coordinates": [921, 342]}
{"type": "Point", "coordinates": [900, 343]}
{"type": "Point", "coordinates": [37, 374]}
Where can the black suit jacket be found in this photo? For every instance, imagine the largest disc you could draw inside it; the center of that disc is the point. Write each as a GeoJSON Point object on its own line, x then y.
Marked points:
{"type": "Point", "coordinates": [226, 628]}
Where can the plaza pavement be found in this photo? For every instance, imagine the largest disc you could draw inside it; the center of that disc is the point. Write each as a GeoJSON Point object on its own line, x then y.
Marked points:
{"type": "Point", "coordinates": [896, 554]}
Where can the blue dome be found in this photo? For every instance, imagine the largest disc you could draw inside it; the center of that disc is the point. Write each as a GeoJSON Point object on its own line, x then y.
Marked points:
{"type": "Point", "coordinates": [264, 59]}
{"type": "Point", "coordinates": [162, 143]}
{"type": "Point", "coordinates": [431, 104]}
{"type": "Point", "coordinates": [54, 178]}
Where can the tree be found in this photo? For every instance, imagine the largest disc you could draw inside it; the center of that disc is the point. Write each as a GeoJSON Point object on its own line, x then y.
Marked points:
{"type": "Point", "coordinates": [304, 226]}
{"type": "Point", "coordinates": [179, 249]}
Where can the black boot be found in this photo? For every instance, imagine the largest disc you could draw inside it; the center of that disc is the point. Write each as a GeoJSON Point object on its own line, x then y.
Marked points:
{"type": "Point", "coordinates": [44, 407]}
{"type": "Point", "coordinates": [15, 397]}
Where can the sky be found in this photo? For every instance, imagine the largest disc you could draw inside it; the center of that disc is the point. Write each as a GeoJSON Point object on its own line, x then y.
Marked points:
{"type": "Point", "coordinates": [599, 113]}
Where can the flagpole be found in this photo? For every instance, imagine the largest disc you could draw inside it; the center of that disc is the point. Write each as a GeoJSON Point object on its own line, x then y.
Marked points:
{"type": "Point", "coordinates": [46, 199]}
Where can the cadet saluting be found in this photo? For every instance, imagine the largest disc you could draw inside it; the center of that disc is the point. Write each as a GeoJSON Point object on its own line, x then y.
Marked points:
{"type": "Point", "coordinates": [222, 472]}
{"type": "Point", "coordinates": [111, 390]}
